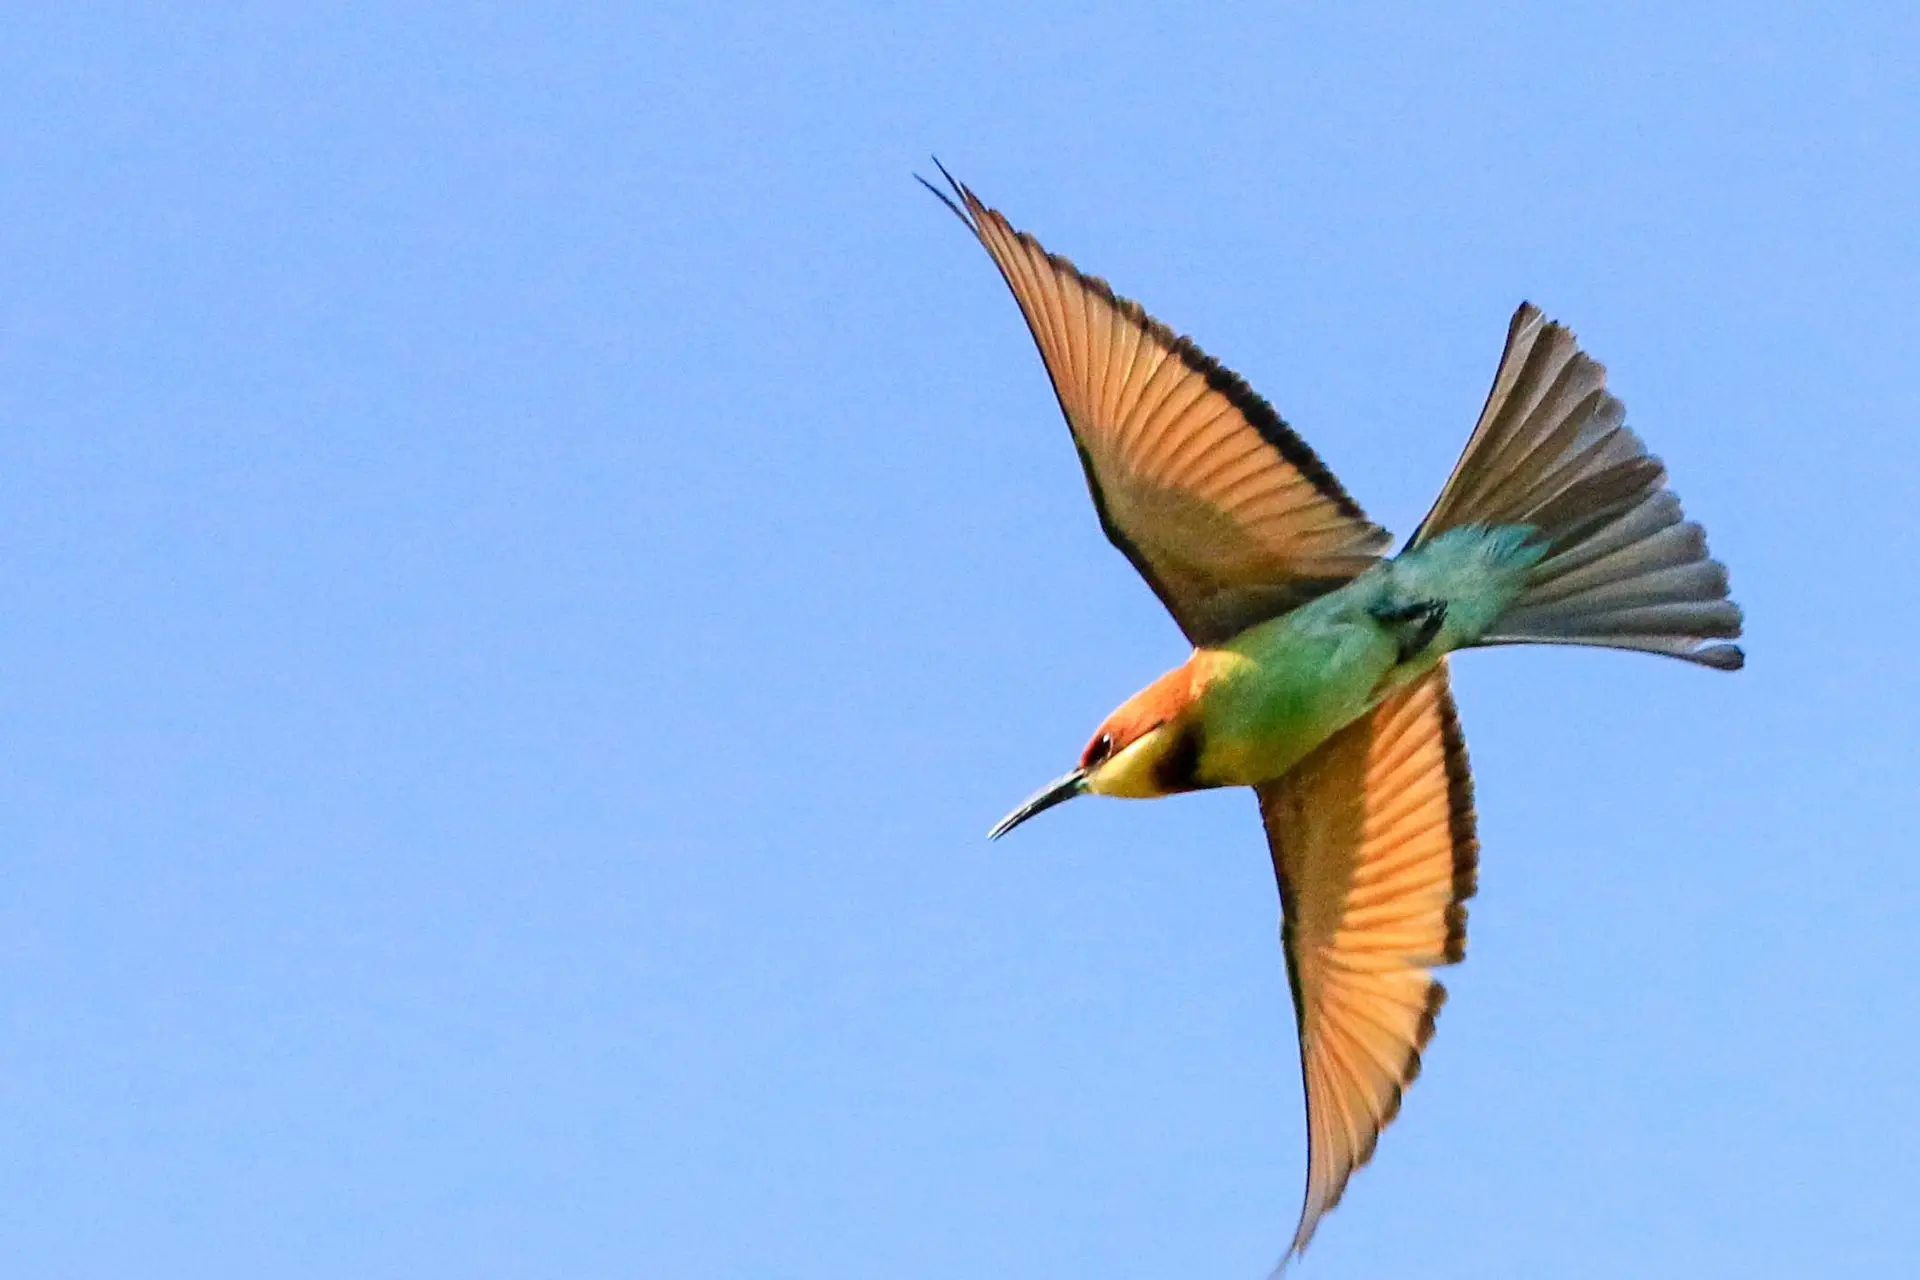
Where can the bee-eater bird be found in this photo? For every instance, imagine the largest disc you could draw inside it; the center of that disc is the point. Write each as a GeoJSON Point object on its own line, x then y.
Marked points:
{"type": "Point", "coordinates": [1319, 668]}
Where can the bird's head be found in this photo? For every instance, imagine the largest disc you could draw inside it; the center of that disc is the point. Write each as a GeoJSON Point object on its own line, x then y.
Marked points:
{"type": "Point", "coordinates": [1149, 746]}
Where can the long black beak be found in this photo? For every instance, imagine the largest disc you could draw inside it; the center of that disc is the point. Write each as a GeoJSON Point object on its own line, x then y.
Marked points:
{"type": "Point", "coordinates": [1060, 789]}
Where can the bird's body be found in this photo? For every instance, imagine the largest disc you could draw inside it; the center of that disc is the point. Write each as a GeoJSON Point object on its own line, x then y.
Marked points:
{"type": "Point", "coordinates": [1318, 675]}
{"type": "Point", "coordinates": [1272, 693]}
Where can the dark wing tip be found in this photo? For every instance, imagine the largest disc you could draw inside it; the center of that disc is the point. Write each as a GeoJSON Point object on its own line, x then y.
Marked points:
{"type": "Point", "coordinates": [944, 198]}
{"type": "Point", "coordinates": [1462, 823]}
{"type": "Point", "coordinates": [1429, 1018]}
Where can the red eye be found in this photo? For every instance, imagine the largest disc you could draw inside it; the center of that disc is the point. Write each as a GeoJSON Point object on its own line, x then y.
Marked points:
{"type": "Point", "coordinates": [1102, 748]}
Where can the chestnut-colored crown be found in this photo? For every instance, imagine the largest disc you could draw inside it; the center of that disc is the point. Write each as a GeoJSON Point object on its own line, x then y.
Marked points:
{"type": "Point", "coordinates": [1163, 700]}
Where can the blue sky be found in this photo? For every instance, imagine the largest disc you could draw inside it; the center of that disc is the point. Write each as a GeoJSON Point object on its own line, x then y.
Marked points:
{"type": "Point", "coordinates": [531, 553]}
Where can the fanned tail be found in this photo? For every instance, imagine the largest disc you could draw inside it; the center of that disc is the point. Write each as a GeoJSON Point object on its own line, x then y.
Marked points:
{"type": "Point", "coordinates": [1623, 568]}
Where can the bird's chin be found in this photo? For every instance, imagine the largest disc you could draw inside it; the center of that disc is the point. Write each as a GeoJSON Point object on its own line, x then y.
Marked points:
{"type": "Point", "coordinates": [1134, 773]}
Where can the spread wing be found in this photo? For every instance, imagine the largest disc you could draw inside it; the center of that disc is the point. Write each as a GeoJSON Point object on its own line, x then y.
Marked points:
{"type": "Point", "coordinates": [1225, 512]}
{"type": "Point", "coordinates": [1373, 844]}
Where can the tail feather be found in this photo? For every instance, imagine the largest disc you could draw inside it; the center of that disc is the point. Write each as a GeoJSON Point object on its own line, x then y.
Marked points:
{"type": "Point", "coordinates": [1694, 581]}
{"type": "Point", "coordinates": [1653, 536]}
{"type": "Point", "coordinates": [1681, 619]}
{"type": "Point", "coordinates": [1623, 567]}
{"type": "Point", "coordinates": [1721, 657]}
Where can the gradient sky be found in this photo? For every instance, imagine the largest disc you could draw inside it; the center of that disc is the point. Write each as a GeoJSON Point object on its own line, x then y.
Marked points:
{"type": "Point", "coordinates": [531, 553]}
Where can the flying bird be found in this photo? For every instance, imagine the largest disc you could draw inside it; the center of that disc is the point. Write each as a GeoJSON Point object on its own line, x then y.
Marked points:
{"type": "Point", "coordinates": [1318, 675]}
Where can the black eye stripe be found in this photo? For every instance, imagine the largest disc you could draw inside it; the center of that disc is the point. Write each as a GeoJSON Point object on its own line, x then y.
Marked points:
{"type": "Point", "coordinates": [1176, 769]}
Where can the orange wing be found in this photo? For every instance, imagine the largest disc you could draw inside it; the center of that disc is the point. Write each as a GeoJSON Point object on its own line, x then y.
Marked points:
{"type": "Point", "coordinates": [1225, 512]}
{"type": "Point", "coordinates": [1373, 844]}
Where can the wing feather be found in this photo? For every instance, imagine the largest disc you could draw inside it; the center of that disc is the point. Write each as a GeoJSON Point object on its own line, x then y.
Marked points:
{"type": "Point", "coordinates": [1226, 513]}
{"type": "Point", "coordinates": [1374, 848]}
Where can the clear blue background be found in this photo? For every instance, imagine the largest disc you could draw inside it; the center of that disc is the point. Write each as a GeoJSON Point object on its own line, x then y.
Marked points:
{"type": "Point", "coordinates": [531, 553]}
